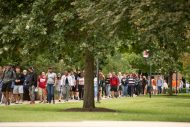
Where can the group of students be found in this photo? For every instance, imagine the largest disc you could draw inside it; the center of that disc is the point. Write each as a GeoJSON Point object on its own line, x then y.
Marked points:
{"type": "Point", "coordinates": [17, 85]}
{"type": "Point", "coordinates": [121, 85]}
{"type": "Point", "coordinates": [134, 84]}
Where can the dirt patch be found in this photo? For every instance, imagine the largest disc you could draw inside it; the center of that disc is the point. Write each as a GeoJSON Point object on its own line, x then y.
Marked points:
{"type": "Point", "coordinates": [89, 110]}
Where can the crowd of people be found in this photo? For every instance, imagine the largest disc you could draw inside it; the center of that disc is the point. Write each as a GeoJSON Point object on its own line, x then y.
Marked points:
{"type": "Point", "coordinates": [17, 85]}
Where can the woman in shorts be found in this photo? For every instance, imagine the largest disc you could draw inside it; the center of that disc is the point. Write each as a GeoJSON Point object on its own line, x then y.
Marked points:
{"type": "Point", "coordinates": [42, 87]}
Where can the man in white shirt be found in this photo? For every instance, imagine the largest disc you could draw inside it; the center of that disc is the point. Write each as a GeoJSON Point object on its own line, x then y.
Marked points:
{"type": "Point", "coordinates": [66, 82]}
{"type": "Point", "coordinates": [73, 89]}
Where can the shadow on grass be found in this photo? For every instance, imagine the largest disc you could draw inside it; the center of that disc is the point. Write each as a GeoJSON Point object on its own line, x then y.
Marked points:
{"type": "Point", "coordinates": [98, 109]}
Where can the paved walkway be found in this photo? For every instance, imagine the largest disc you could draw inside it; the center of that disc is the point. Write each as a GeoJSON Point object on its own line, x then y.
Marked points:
{"type": "Point", "coordinates": [96, 124]}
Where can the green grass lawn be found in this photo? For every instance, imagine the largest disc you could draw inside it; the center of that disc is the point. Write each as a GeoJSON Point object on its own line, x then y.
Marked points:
{"type": "Point", "coordinates": [158, 108]}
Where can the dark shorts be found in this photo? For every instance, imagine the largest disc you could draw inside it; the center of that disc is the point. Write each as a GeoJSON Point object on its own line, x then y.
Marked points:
{"type": "Point", "coordinates": [6, 87]}
{"type": "Point", "coordinates": [73, 88]}
{"type": "Point", "coordinates": [114, 88]}
{"type": "Point", "coordinates": [149, 89]}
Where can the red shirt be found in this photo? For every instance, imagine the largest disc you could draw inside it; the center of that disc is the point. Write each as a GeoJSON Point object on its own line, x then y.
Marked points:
{"type": "Point", "coordinates": [42, 82]}
{"type": "Point", "coordinates": [114, 81]}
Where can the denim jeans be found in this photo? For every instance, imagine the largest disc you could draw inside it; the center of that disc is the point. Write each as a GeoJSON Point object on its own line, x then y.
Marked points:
{"type": "Point", "coordinates": [124, 90]}
{"type": "Point", "coordinates": [108, 90]}
{"type": "Point", "coordinates": [50, 89]}
{"type": "Point", "coordinates": [95, 91]}
{"type": "Point", "coordinates": [159, 89]}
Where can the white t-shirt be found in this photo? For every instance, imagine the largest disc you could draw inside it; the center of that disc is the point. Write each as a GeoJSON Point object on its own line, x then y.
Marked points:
{"type": "Point", "coordinates": [187, 85]}
{"type": "Point", "coordinates": [73, 80]}
{"type": "Point", "coordinates": [66, 78]}
{"type": "Point", "coordinates": [81, 81]}
{"type": "Point", "coordinates": [165, 85]}
{"type": "Point", "coordinates": [95, 81]}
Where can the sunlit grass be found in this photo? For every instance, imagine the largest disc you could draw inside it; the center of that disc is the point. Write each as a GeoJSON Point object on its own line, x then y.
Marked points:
{"type": "Point", "coordinates": [158, 108]}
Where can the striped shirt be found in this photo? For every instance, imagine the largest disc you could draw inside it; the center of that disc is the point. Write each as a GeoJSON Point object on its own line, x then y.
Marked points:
{"type": "Point", "coordinates": [131, 81]}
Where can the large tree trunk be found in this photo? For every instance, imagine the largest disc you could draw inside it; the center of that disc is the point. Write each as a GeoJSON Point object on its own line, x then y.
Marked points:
{"type": "Point", "coordinates": [89, 81]}
{"type": "Point", "coordinates": [170, 82]}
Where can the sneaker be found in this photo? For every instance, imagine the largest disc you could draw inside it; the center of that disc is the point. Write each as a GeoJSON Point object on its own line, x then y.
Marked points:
{"type": "Point", "coordinates": [59, 100]}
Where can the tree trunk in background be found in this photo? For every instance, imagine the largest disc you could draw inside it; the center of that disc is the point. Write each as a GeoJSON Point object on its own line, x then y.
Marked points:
{"type": "Point", "coordinates": [89, 81]}
{"type": "Point", "coordinates": [170, 82]}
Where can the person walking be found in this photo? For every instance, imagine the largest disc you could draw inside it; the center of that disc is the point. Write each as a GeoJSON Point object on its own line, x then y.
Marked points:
{"type": "Point", "coordinates": [149, 86]}
{"type": "Point", "coordinates": [124, 82]}
{"type": "Point", "coordinates": [144, 85]}
{"type": "Point", "coordinates": [18, 87]}
{"type": "Point", "coordinates": [101, 85]}
{"type": "Point", "coordinates": [154, 86]}
{"type": "Point", "coordinates": [59, 87]}
{"type": "Point", "coordinates": [131, 85]}
{"type": "Point", "coordinates": [73, 86]}
{"type": "Point", "coordinates": [95, 86]}
{"type": "Point", "coordinates": [42, 81]}
{"type": "Point", "coordinates": [51, 82]}
{"type": "Point", "coordinates": [107, 85]}
{"type": "Point", "coordinates": [66, 82]}
{"type": "Point", "coordinates": [9, 76]}
{"type": "Point", "coordinates": [165, 87]}
{"type": "Point", "coordinates": [32, 84]}
{"type": "Point", "coordinates": [120, 87]}
{"type": "Point", "coordinates": [138, 85]}
{"type": "Point", "coordinates": [114, 83]}
{"type": "Point", "coordinates": [26, 95]}
{"type": "Point", "coordinates": [160, 84]}
{"type": "Point", "coordinates": [81, 86]}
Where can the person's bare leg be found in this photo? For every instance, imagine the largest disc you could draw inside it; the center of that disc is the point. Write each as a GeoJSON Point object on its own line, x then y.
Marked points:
{"type": "Point", "coordinates": [100, 93]}
{"type": "Point", "coordinates": [112, 94]}
{"type": "Point", "coordinates": [145, 91]}
{"type": "Point", "coordinates": [7, 98]}
{"type": "Point", "coordinates": [77, 95]}
{"type": "Point", "coordinates": [21, 98]}
{"type": "Point", "coordinates": [71, 94]}
{"type": "Point", "coordinates": [120, 93]}
{"type": "Point", "coordinates": [16, 98]}
{"type": "Point", "coordinates": [4, 98]}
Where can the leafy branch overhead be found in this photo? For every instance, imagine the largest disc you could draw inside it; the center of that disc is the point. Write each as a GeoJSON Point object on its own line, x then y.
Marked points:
{"type": "Point", "coordinates": [63, 29]}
